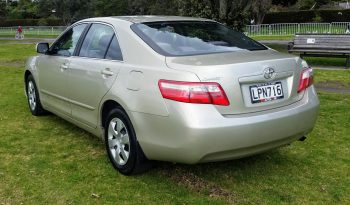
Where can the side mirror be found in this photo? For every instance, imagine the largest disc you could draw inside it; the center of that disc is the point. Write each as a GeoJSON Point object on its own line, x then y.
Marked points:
{"type": "Point", "coordinates": [42, 47]}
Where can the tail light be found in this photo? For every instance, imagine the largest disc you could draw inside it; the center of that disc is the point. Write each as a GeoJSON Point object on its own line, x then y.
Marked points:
{"type": "Point", "coordinates": [193, 92]}
{"type": "Point", "coordinates": [306, 79]}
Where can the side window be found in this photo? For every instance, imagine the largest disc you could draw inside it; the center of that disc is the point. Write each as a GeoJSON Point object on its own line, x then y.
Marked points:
{"type": "Point", "coordinates": [114, 52]}
{"type": "Point", "coordinates": [96, 42]}
{"type": "Point", "coordinates": [65, 46]}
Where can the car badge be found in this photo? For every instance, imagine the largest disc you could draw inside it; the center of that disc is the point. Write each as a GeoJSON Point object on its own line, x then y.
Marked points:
{"type": "Point", "coordinates": [269, 73]}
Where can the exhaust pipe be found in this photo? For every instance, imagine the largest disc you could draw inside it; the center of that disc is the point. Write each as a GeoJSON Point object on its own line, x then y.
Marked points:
{"type": "Point", "coordinates": [303, 138]}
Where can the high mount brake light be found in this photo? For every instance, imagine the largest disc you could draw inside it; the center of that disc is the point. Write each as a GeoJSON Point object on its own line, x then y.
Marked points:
{"type": "Point", "coordinates": [193, 92]}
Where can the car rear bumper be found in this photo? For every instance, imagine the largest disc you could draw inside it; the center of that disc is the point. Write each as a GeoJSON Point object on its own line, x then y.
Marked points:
{"type": "Point", "coordinates": [194, 133]}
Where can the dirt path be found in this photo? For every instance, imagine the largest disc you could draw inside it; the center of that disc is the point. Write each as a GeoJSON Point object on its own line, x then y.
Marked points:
{"type": "Point", "coordinates": [275, 42]}
{"type": "Point", "coordinates": [334, 90]}
{"type": "Point", "coordinates": [26, 40]}
{"type": "Point", "coordinates": [333, 87]}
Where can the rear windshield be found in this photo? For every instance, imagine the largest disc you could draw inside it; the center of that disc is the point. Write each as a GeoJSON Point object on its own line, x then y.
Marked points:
{"type": "Point", "coordinates": [193, 38]}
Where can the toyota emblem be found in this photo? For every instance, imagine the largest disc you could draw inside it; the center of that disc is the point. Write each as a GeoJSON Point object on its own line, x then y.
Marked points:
{"type": "Point", "coordinates": [269, 73]}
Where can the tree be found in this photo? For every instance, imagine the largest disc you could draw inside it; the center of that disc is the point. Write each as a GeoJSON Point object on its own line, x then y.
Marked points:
{"type": "Point", "coordinates": [284, 2]}
{"type": "Point", "coordinates": [153, 7]}
{"type": "Point", "coordinates": [110, 7]}
{"type": "Point", "coordinates": [3, 10]}
{"type": "Point", "coordinates": [68, 11]}
{"type": "Point", "coordinates": [234, 13]}
{"type": "Point", "coordinates": [259, 9]}
{"type": "Point", "coordinates": [311, 4]}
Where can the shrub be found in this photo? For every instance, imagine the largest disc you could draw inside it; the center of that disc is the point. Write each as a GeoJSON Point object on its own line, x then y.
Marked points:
{"type": "Point", "coordinates": [42, 22]}
{"type": "Point", "coordinates": [335, 15]}
{"type": "Point", "coordinates": [289, 17]}
{"type": "Point", "coordinates": [31, 22]}
{"type": "Point", "coordinates": [307, 16]}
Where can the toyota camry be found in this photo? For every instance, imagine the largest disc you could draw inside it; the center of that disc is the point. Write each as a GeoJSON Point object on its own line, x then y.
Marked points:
{"type": "Point", "coordinates": [169, 88]}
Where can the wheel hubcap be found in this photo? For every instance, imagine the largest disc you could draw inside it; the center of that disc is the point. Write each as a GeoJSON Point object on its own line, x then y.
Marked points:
{"type": "Point", "coordinates": [118, 141]}
{"type": "Point", "coordinates": [31, 95]}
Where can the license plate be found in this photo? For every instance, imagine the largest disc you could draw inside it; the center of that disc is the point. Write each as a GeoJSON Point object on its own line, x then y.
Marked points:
{"type": "Point", "coordinates": [266, 92]}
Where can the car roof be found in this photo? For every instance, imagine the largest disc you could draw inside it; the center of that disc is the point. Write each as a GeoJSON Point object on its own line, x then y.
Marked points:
{"type": "Point", "coordinates": [142, 19]}
{"type": "Point", "coordinates": [147, 18]}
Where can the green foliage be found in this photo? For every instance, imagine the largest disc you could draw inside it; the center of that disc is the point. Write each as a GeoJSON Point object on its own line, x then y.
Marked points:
{"type": "Point", "coordinates": [311, 4]}
{"type": "Point", "coordinates": [308, 16]}
{"type": "Point", "coordinates": [196, 8]}
{"type": "Point", "coordinates": [153, 7]}
{"type": "Point", "coordinates": [284, 2]}
{"type": "Point", "coordinates": [231, 12]}
{"type": "Point", "coordinates": [110, 7]}
{"type": "Point", "coordinates": [335, 15]}
{"type": "Point", "coordinates": [305, 4]}
{"type": "Point", "coordinates": [317, 19]}
{"type": "Point", "coordinates": [22, 9]}
{"type": "Point", "coordinates": [3, 9]}
{"type": "Point", "coordinates": [31, 22]}
{"type": "Point", "coordinates": [289, 17]}
{"type": "Point", "coordinates": [322, 2]}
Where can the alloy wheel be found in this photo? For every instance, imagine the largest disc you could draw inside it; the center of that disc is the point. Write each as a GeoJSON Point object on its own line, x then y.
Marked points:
{"type": "Point", "coordinates": [118, 141]}
{"type": "Point", "coordinates": [31, 95]}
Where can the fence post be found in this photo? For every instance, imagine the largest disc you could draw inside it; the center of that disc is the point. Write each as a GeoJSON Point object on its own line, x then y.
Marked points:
{"type": "Point", "coordinates": [330, 28]}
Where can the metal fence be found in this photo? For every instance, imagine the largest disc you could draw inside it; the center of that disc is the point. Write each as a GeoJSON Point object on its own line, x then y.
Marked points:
{"type": "Point", "coordinates": [285, 29]}
{"type": "Point", "coordinates": [34, 30]}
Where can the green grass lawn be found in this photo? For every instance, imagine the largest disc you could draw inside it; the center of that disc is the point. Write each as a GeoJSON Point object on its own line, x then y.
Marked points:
{"type": "Point", "coordinates": [46, 160]}
{"type": "Point", "coordinates": [281, 38]}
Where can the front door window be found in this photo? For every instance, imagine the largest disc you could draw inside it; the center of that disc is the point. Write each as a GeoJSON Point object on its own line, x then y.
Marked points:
{"type": "Point", "coordinates": [66, 45]}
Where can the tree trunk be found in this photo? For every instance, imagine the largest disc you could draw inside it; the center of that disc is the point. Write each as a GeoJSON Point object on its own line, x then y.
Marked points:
{"type": "Point", "coordinates": [223, 9]}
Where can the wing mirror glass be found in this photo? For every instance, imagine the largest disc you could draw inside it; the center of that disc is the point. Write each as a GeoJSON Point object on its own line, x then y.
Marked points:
{"type": "Point", "coordinates": [42, 47]}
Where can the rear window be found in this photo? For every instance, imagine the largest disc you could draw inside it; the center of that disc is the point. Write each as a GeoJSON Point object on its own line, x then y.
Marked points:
{"type": "Point", "coordinates": [179, 38]}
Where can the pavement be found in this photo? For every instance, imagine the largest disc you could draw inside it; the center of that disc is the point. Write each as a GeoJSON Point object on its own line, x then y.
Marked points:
{"type": "Point", "coordinates": [28, 40]}
{"type": "Point", "coordinates": [333, 90]}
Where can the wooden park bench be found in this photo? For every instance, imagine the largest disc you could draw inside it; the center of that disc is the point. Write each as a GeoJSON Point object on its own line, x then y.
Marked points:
{"type": "Point", "coordinates": [321, 45]}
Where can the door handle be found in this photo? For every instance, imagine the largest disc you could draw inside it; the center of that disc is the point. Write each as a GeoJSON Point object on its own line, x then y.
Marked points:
{"type": "Point", "coordinates": [64, 66]}
{"type": "Point", "coordinates": [107, 72]}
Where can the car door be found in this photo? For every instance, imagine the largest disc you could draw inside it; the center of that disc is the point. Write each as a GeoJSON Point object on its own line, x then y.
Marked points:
{"type": "Point", "coordinates": [93, 71]}
{"type": "Point", "coordinates": [53, 70]}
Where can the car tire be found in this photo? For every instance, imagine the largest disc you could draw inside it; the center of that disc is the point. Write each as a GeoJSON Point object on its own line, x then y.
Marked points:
{"type": "Point", "coordinates": [123, 149]}
{"type": "Point", "coordinates": [33, 97]}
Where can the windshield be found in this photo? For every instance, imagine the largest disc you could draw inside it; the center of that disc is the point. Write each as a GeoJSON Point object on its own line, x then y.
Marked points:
{"type": "Point", "coordinates": [180, 38]}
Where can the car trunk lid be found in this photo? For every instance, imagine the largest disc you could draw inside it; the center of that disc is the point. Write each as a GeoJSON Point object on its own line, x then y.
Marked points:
{"type": "Point", "coordinates": [242, 74]}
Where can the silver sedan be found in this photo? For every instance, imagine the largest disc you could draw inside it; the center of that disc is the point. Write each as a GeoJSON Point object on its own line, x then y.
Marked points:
{"type": "Point", "coordinates": [176, 89]}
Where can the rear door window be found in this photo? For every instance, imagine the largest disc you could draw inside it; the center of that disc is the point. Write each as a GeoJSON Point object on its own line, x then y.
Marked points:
{"type": "Point", "coordinates": [114, 52]}
{"type": "Point", "coordinates": [97, 41]}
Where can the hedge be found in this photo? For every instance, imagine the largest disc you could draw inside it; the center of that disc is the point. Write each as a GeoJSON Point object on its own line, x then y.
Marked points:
{"type": "Point", "coordinates": [30, 22]}
{"type": "Point", "coordinates": [307, 16]}
{"type": "Point", "coordinates": [335, 16]}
